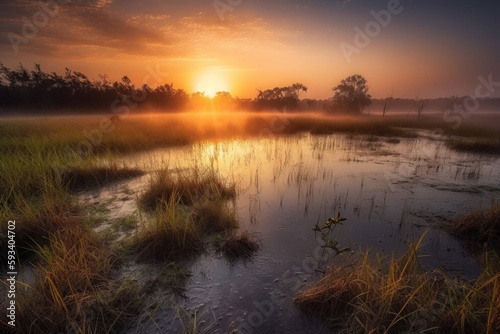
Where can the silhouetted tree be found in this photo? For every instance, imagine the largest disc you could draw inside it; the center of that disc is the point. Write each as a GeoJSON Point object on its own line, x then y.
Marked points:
{"type": "Point", "coordinates": [280, 97]}
{"type": "Point", "coordinates": [387, 104]}
{"type": "Point", "coordinates": [419, 106]}
{"type": "Point", "coordinates": [351, 96]}
{"type": "Point", "coordinates": [200, 101]}
{"type": "Point", "coordinates": [223, 101]}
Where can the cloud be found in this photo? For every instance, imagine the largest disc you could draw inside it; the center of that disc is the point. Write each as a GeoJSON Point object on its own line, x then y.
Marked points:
{"type": "Point", "coordinates": [91, 29]}
{"type": "Point", "coordinates": [103, 3]}
{"type": "Point", "coordinates": [77, 25]}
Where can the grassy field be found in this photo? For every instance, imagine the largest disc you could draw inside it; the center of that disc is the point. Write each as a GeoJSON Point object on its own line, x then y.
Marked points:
{"type": "Point", "coordinates": [44, 161]}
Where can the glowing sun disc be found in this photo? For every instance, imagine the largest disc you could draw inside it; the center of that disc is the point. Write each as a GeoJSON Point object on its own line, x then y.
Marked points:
{"type": "Point", "coordinates": [211, 83]}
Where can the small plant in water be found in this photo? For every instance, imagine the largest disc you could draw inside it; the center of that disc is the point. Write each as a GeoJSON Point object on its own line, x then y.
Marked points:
{"type": "Point", "coordinates": [330, 243]}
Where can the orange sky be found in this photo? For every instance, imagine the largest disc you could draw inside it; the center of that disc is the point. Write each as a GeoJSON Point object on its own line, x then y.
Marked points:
{"type": "Point", "coordinates": [426, 50]}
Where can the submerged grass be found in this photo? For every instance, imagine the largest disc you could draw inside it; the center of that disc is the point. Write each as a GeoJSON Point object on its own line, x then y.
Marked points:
{"type": "Point", "coordinates": [399, 297]}
{"type": "Point", "coordinates": [236, 246]}
{"type": "Point", "coordinates": [479, 146]}
{"type": "Point", "coordinates": [214, 217]}
{"type": "Point", "coordinates": [479, 227]}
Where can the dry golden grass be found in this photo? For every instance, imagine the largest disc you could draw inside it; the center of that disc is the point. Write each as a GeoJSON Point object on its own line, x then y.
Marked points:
{"type": "Point", "coordinates": [399, 297]}
{"type": "Point", "coordinates": [73, 290]}
{"type": "Point", "coordinates": [480, 226]}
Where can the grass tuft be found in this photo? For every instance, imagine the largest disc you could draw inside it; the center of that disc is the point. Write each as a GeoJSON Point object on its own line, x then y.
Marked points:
{"type": "Point", "coordinates": [171, 235]}
{"type": "Point", "coordinates": [479, 226]}
{"type": "Point", "coordinates": [399, 297]}
{"type": "Point", "coordinates": [238, 246]}
{"type": "Point", "coordinates": [187, 206]}
{"type": "Point", "coordinates": [214, 217]}
{"type": "Point", "coordinates": [73, 268]}
{"type": "Point", "coordinates": [36, 223]}
{"type": "Point", "coordinates": [189, 186]}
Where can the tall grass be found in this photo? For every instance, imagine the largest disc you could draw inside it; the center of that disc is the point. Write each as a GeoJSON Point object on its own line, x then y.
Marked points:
{"type": "Point", "coordinates": [399, 297]}
{"type": "Point", "coordinates": [40, 167]}
{"type": "Point", "coordinates": [171, 235]}
{"type": "Point", "coordinates": [74, 289]}
{"type": "Point", "coordinates": [214, 216]}
{"type": "Point", "coordinates": [188, 205]}
{"type": "Point", "coordinates": [73, 267]}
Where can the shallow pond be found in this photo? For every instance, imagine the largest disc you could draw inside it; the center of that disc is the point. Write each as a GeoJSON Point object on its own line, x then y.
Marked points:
{"type": "Point", "coordinates": [390, 191]}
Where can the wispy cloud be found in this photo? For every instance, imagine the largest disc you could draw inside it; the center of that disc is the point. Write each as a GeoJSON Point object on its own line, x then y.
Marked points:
{"type": "Point", "coordinates": [103, 3]}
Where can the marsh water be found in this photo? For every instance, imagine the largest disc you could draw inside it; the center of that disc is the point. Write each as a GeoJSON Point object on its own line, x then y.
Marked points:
{"type": "Point", "coordinates": [389, 190]}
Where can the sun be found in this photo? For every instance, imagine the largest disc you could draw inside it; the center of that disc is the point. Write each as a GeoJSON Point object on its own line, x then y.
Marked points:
{"type": "Point", "coordinates": [211, 82]}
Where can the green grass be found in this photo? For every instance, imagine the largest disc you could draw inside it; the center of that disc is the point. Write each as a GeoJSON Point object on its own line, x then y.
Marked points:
{"type": "Point", "coordinates": [73, 266]}
{"type": "Point", "coordinates": [188, 206]}
{"type": "Point", "coordinates": [171, 235]}
{"type": "Point", "coordinates": [188, 186]}
{"type": "Point", "coordinates": [398, 296]}
{"type": "Point", "coordinates": [41, 166]}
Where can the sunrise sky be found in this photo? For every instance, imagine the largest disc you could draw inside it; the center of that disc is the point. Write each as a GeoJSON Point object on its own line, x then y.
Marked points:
{"type": "Point", "coordinates": [429, 49]}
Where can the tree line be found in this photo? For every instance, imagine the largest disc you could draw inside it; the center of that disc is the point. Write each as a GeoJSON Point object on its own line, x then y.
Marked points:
{"type": "Point", "coordinates": [38, 90]}
{"type": "Point", "coordinates": [35, 90]}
